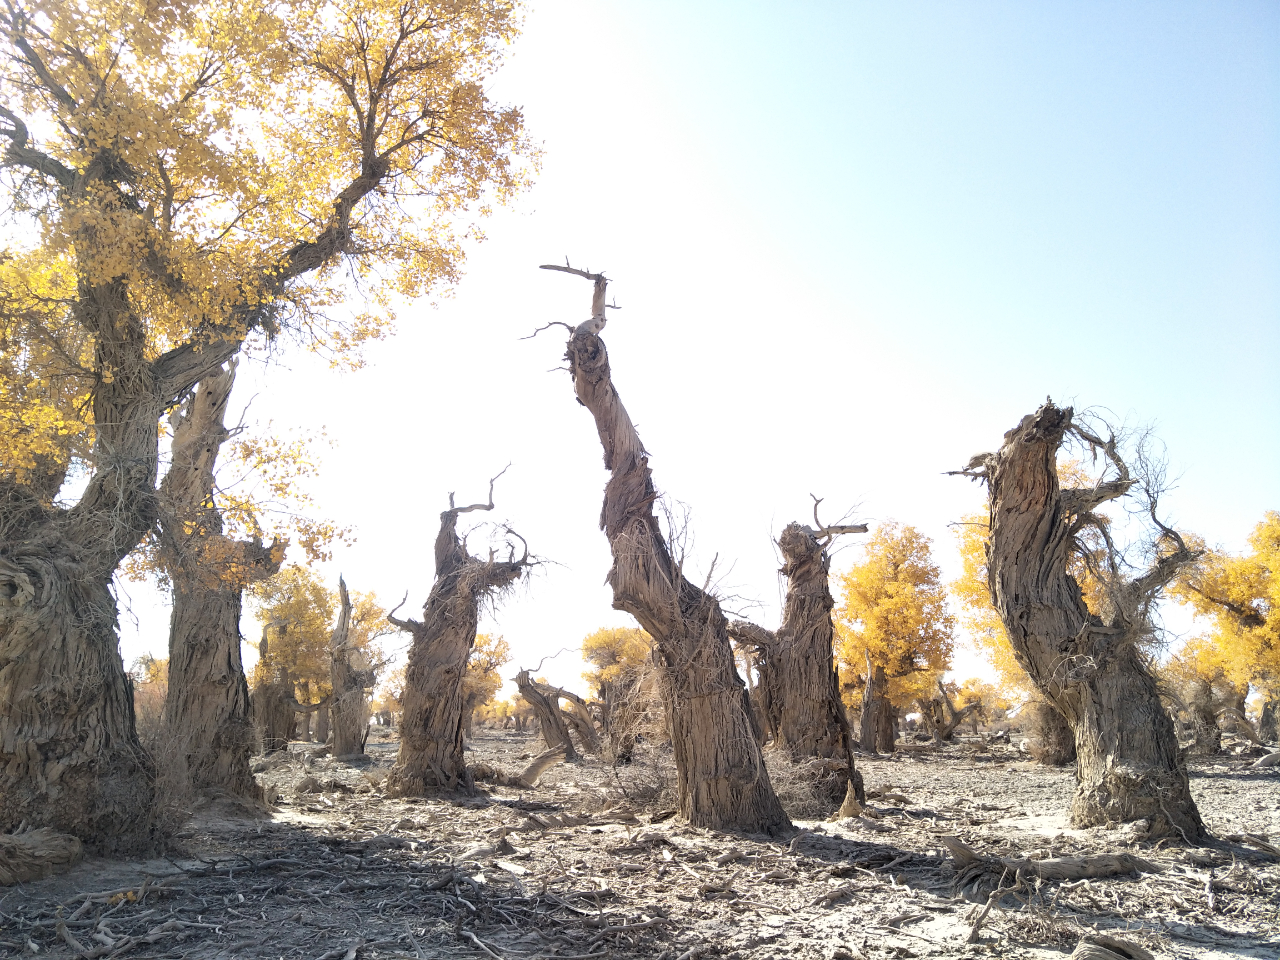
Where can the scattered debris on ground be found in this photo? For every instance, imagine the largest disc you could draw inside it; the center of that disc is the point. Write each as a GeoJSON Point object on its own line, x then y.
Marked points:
{"type": "Point", "coordinates": [958, 852]}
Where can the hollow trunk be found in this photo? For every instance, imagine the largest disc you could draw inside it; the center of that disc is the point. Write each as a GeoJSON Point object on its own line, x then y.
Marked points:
{"type": "Point", "coordinates": [351, 677]}
{"type": "Point", "coordinates": [430, 758]}
{"type": "Point", "coordinates": [1127, 758]}
{"type": "Point", "coordinates": [876, 724]}
{"type": "Point", "coordinates": [543, 701]}
{"type": "Point", "coordinates": [207, 710]}
{"type": "Point", "coordinates": [721, 778]}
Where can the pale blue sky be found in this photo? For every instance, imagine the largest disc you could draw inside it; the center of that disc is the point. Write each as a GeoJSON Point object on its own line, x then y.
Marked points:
{"type": "Point", "coordinates": [854, 244]}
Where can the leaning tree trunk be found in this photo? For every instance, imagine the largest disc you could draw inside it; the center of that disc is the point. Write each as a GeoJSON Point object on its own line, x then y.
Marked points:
{"type": "Point", "coordinates": [722, 782]}
{"type": "Point", "coordinates": [430, 758]}
{"type": "Point", "coordinates": [544, 702]}
{"type": "Point", "coordinates": [1128, 763]}
{"type": "Point", "coordinates": [352, 677]}
{"type": "Point", "coordinates": [207, 709]}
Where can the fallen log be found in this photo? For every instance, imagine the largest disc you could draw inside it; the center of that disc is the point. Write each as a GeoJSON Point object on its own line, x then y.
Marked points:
{"type": "Point", "coordinates": [1057, 868]}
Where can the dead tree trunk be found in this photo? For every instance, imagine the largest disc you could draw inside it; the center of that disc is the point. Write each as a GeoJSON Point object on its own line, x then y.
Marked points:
{"type": "Point", "coordinates": [1269, 720]}
{"type": "Point", "coordinates": [876, 724]}
{"type": "Point", "coordinates": [1204, 719]}
{"type": "Point", "coordinates": [722, 782]}
{"type": "Point", "coordinates": [272, 696]}
{"type": "Point", "coordinates": [1053, 742]}
{"type": "Point", "coordinates": [1087, 665]}
{"type": "Point", "coordinates": [207, 709]}
{"type": "Point", "coordinates": [352, 677]}
{"type": "Point", "coordinates": [942, 717]}
{"type": "Point", "coordinates": [543, 700]}
{"type": "Point", "coordinates": [430, 758]}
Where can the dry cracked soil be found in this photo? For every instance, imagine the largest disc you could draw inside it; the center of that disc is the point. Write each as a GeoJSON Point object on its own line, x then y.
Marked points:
{"type": "Point", "coordinates": [591, 863]}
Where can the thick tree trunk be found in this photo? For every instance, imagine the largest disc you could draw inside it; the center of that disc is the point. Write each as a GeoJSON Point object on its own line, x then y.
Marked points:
{"type": "Point", "coordinates": [722, 782]}
{"type": "Point", "coordinates": [1269, 721]}
{"type": "Point", "coordinates": [207, 710]}
{"type": "Point", "coordinates": [430, 758]}
{"type": "Point", "coordinates": [1204, 721]}
{"type": "Point", "coordinates": [544, 701]}
{"type": "Point", "coordinates": [876, 725]}
{"type": "Point", "coordinates": [351, 677]}
{"type": "Point", "coordinates": [1054, 743]}
{"type": "Point", "coordinates": [272, 698]}
{"type": "Point", "coordinates": [69, 754]}
{"type": "Point", "coordinates": [1127, 757]}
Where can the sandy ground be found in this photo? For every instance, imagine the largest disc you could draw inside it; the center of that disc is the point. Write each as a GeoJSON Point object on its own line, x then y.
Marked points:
{"type": "Point", "coordinates": [591, 864]}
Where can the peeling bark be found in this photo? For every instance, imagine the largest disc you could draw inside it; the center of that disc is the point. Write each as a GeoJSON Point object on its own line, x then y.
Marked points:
{"type": "Point", "coordinates": [430, 758]}
{"type": "Point", "coordinates": [1128, 764]}
{"type": "Point", "coordinates": [351, 677]}
{"type": "Point", "coordinates": [722, 782]}
{"type": "Point", "coordinates": [272, 697]}
{"type": "Point", "coordinates": [207, 710]}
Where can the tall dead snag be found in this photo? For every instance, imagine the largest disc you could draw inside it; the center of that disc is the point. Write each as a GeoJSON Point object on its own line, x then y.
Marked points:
{"type": "Point", "coordinates": [799, 688]}
{"type": "Point", "coordinates": [272, 696]}
{"type": "Point", "coordinates": [941, 716]}
{"type": "Point", "coordinates": [721, 778]}
{"type": "Point", "coordinates": [352, 676]}
{"type": "Point", "coordinates": [1088, 666]}
{"type": "Point", "coordinates": [430, 758]}
{"type": "Point", "coordinates": [207, 709]}
{"type": "Point", "coordinates": [544, 701]}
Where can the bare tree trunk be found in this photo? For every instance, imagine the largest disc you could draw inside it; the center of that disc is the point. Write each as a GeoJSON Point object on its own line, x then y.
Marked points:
{"type": "Point", "coordinates": [272, 698]}
{"type": "Point", "coordinates": [876, 726]}
{"type": "Point", "coordinates": [207, 710]}
{"type": "Point", "coordinates": [324, 724]}
{"type": "Point", "coordinates": [722, 782]}
{"type": "Point", "coordinates": [351, 677]}
{"type": "Point", "coordinates": [1054, 743]}
{"type": "Point", "coordinates": [1204, 720]}
{"type": "Point", "coordinates": [942, 717]}
{"type": "Point", "coordinates": [1127, 757]}
{"type": "Point", "coordinates": [1269, 720]}
{"type": "Point", "coordinates": [430, 758]}
{"type": "Point", "coordinates": [543, 701]}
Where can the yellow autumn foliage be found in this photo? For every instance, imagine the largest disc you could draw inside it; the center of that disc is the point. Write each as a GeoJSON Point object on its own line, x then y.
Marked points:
{"type": "Point", "coordinates": [615, 653]}
{"type": "Point", "coordinates": [893, 607]}
{"type": "Point", "coordinates": [197, 171]}
{"type": "Point", "coordinates": [1240, 596]}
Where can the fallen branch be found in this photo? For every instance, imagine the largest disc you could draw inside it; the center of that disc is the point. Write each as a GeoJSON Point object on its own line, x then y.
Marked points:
{"type": "Point", "coordinates": [1061, 868]}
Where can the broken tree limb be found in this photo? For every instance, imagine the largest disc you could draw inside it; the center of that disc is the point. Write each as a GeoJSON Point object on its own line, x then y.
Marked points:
{"type": "Point", "coordinates": [1059, 868]}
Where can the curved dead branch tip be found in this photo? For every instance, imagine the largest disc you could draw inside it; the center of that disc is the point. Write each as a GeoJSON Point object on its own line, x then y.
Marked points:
{"type": "Point", "coordinates": [401, 624]}
{"type": "Point", "coordinates": [826, 533]}
{"type": "Point", "coordinates": [455, 511]}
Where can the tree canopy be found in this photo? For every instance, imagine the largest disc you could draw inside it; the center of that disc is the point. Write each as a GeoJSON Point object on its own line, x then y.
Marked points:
{"type": "Point", "coordinates": [893, 606]}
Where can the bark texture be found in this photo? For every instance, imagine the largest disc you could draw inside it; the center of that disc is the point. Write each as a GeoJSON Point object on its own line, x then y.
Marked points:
{"type": "Point", "coordinates": [1052, 741]}
{"type": "Point", "coordinates": [272, 698]}
{"type": "Point", "coordinates": [1269, 721]}
{"type": "Point", "coordinates": [352, 677]}
{"type": "Point", "coordinates": [876, 732]}
{"type": "Point", "coordinates": [1088, 666]}
{"type": "Point", "coordinates": [207, 709]}
{"type": "Point", "coordinates": [430, 758]}
{"type": "Point", "coordinates": [544, 701]}
{"type": "Point", "coordinates": [722, 782]}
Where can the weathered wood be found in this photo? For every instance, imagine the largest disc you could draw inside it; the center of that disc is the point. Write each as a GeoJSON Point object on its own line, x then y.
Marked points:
{"type": "Point", "coordinates": [430, 758]}
{"type": "Point", "coordinates": [207, 709]}
{"type": "Point", "coordinates": [722, 782]}
{"type": "Point", "coordinates": [1056, 868]}
{"type": "Point", "coordinates": [1087, 665]}
{"type": "Point", "coordinates": [352, 677]}
{"type": "Point", "coordinates": [543, 701]}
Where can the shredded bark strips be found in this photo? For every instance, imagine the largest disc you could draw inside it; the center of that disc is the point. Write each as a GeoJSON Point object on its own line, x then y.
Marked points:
{"type": "Point", "coordinates": [1086, 664]}
{"type": "Point", "coordinates": [722, 780]}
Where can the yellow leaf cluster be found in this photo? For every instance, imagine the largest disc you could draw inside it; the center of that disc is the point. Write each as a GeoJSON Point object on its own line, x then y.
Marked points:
{"type": "Point", "coordinates": [892, 606]}
{"type": "Point", "coordinates": [615, 653]}
{"type": "Point", "coordinates": [482, 680]}
{"type": "Point", "coordinates": [1240, 596]}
